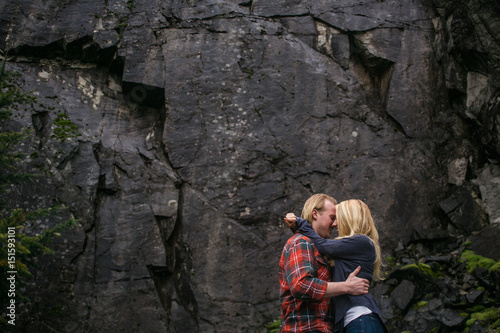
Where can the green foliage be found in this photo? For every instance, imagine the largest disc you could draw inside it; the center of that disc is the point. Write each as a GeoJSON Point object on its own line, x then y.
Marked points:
{"type": "Point", "coordinates": [476, 308]}
{"type": "Point", "coordinates": [494, 267]}
{"type": "Point", "coordinates": [274, 327]}
{"type": "Point", "coordinates": [391, 261]}
{"type": "Point", "coordinates": [419, 305]}
{"type": "Point", "coordinates": [488, 316]}
{"type": "Point", "coordinates": [10, 96]}
{"type": "Point", "coordinates": [64, 128]}
{"type": "Point", "coordinates": [56, 310]}
{"type": "Point", "coordinates": [122, 25]}
{"type": "Point", "coordinates": [9, 174]}
{"type": "Point", "coordinates": [18, 250]}
{"type": "Point", "coordinates": [130, 5]}
{"type": "Point", "coordinates": [474, 261]}
{"type": "Point", "coordinates": [27, 247]}
{"type": "Point", "coordinates": [424, 268]}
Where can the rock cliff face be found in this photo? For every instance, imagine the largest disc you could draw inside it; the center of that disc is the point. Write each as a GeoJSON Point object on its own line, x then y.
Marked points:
{"type": "Point", "coordinates": [201, 123]}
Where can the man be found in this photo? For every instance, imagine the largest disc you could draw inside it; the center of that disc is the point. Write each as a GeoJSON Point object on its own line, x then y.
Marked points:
{"type": "Point", "coordinates": [304, 275]}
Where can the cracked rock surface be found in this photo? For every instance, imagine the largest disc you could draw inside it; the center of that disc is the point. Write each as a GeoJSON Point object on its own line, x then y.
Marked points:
{"type": "Point", "coordinates": [201, 123]}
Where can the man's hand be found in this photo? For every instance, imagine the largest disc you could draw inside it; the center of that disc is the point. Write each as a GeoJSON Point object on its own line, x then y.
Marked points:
{"type": "Point", "coordinates": [290, 220]}
{"type": "Point", "coordinates": [356, 285]}
{"type": "Point", "coordinates": [352, 286]}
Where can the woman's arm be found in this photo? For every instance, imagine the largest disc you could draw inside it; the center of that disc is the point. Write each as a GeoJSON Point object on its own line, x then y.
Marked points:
{"type": "Point", "coordinates": [354, 247]}
{"type": "Point", "coordinates": [323, 245]}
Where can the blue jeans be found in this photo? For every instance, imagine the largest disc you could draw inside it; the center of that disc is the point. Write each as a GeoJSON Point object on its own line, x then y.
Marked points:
{"type": "Point", "coordinates": [370, 323]}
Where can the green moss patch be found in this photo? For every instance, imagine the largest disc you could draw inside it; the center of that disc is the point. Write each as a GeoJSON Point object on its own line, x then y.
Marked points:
{"type": "Point", "coordinates": [486, 316]}
{"type": "Point", "coordinates": [474, 261]}
{"type": "Point", "coordinates": [424, 268]}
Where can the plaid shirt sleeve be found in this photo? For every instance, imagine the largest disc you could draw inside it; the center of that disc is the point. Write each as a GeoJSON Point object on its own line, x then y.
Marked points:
{"type": "Point", "coordinates": [301, 272]}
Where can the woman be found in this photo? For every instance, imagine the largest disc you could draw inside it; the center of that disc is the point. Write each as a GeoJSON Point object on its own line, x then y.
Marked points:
{"type": "Point", "coordinates": [357, 245]}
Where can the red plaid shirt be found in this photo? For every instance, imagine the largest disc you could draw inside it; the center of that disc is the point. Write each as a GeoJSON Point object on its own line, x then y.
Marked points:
{"type": "Point", "coordinates": [303, 276]}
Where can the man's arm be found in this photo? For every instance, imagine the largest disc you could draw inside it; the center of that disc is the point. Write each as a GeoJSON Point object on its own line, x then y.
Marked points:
{"type": "Point", "coordinates": [352, 286]}
{"type": "Point", "coordinates": [300, 272]}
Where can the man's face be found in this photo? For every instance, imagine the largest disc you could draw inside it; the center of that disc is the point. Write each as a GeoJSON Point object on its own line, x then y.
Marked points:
{"type": "Point", "coordinates": [324, 221]}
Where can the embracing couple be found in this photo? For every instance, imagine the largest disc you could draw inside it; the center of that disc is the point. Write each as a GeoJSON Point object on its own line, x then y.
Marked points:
{"type": "Point", "coordinates": [310, 260]}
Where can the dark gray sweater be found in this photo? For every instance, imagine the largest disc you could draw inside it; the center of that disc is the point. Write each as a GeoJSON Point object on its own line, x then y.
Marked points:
{"type": "Point", "coordinates": [348, 253]}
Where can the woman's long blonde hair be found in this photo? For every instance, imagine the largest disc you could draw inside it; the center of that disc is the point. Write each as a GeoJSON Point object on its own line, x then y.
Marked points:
{"type": "Point", "coordinates": [354, 218]}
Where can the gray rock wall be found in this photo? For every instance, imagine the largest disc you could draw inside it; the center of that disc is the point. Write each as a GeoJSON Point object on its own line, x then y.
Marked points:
{"type": "Point", "coordinates": [202, 122]}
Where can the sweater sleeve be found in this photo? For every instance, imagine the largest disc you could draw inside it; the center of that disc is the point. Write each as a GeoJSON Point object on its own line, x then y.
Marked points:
{"type": "Point", "coordinates": [343, 248]}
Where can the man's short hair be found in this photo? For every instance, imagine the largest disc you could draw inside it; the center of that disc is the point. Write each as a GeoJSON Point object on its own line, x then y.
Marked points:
{"type": "Point", "coordinates": [317, 201]}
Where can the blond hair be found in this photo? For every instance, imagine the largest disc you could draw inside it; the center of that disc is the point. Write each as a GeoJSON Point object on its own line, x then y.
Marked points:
{"type": "Point", "coordinates": [354, 218]}
{"type": "Point", "coordinates": [317, 201]}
